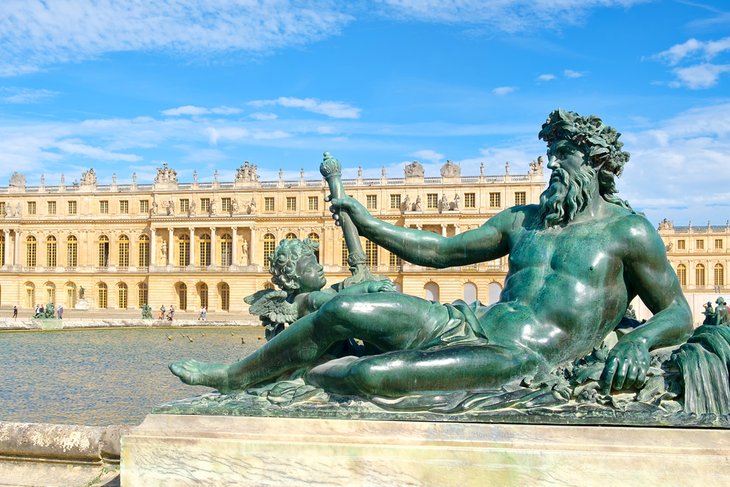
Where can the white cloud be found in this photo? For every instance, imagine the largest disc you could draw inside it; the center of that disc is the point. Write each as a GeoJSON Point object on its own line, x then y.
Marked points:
{"type": "Point", "coordinates": [546, 77]}
{"type": "Point", "coordinates": [21, 96]}
{"type": "Point", "coordinates": [503, 90]}
{"type": "Point", "coordinates": [264, 117]}
{"type": "Point", "coordinates": [334, 109]}
{"type": "Point", "coordinates": [691, 64]}
{"type": "Point", "coordinates": [570, 73]}
{"type": "Point", "coordinates": [193, 111]}
{"type": "Point", "coordinates": [37, 33]}
{"type": "Point", "coordinates": [428, 155]}
{"type": "Point", "coordinates": [705, 50]}
{"type": "Point", "coordinates": [700, 76]}
{"type": "Point", "coordinates": [76, 147]}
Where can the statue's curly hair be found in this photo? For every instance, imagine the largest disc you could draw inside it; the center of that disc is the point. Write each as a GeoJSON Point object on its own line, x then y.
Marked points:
{"type": "Point", "coordinates": [598, 141]}
{"type": "Point", "coordinates": [284, 261]}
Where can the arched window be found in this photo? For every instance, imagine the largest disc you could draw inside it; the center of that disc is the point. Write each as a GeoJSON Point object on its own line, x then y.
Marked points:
{"type": "Point", "coordinates": [72, 251]}
{"type": "Point", "coordinates": [203, 294]}
{"type": "Point", "coordinates": [183, 254]}
{"type": "Point", "coordinates": [493, 291]}
{"type": "Point", "coordinates": [225, 295]}
{"type": "Point", "coordinates": [103, 296]}
{"type": "Point", "coordinates": [2, 249]}
{"type": "Point", "coordinates": [345, 252]}
{"type": "Point", "coordinates": [226, 250]}
{"type": "Point", "coordinates": [144, 251]}
{"type": "Point", "coordinates": [50, 293]}
{"type": "Point", "coordinates": [122, 295]}
{"type": "Point", "coordinates": [314, 238]}
{"type": "Point", "coordinates": [394, 261]}
{"type": "Point", "coordinates": [470, 292]}
{"type": "Point", "coordinates": [123, 251]}
{"type": "Point", "coordinates": [143, 294]}
{"type": "Point", "coordinates": [700, 275]}
{"type": "Point", "coordinates": [182, 296]}
{"type": "Point", "coordinates": [682, 274]}
{"type": "Point", "coordinates": [371, 254]}
{"type": "Point", "coordinates": [290, 236]}
{"type": "Point", "coordinates": [719, 275]}
{"type": "Point", "coordinates": [70, 294]}
{"type": "Point", "coordinates": [103, 251]}
{"type": "Point", "coordinates": [31, 251]}
{"type": "Point", "coordinates": [269, 247]}
{"type": "Point", "coordinates": [432, 291]}
{"type": "Point", "coordinates": [204, 257]}
{"type": "Point", "coordinates": [30, 295]}
{"type": "Point", "coordinates": [51, 251]}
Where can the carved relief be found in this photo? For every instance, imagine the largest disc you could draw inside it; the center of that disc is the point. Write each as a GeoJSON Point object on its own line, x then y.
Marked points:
{"type": "Point", "coordinates": [414, 170]}
{"type": "Point", "coordinates": [450, 170]}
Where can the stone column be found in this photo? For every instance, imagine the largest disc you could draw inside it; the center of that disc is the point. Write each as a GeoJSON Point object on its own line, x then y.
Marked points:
{"type": "Point", "coordinates": [153, 247]}
{"type": "Point", "coordinates": [443, 230]}
{"type": "Point", "coordinates": [193, 260]}
{"type": "Point", "coordinates": [235, 246]}
{"type": "Point", "coordinates": [17, 248]}
{"type": "Point", "coordinates": [170, 245]}
{"type": "Point", "coordinates": [252, 247]}
{"type": "Point", "coordinates": [213, 249]}
{"type": "Point", "coordinates": [6, 256]}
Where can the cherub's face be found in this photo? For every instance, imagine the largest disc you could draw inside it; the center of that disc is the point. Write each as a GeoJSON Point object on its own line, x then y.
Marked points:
{"type": "Point", "coordinates": [311, 274]}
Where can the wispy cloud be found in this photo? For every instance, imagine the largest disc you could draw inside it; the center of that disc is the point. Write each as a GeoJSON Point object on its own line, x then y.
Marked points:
{"type": "Point", "coordinates": [546, 77]}
{"type": "Point", "coordinates": [691, 62]}
{"type": "Point", "coordinates": [334, 109]}
{"type": "Point", "coordinates": [193, 110]}
{"type": "Point", "coordinates": [36, 33]}
{"type": "Point", "coordinates": [503, 90]}
{"type": "Point", "coordinates": [264, 116]}
{"type": "Point", "coordinates": [571, 73]}
{"type": "Point", "coordinates": [706, 50]}
{"type": "Point", "coordinates": [21, 96]}
{"type": "Point", "coordinates": [428, 155]}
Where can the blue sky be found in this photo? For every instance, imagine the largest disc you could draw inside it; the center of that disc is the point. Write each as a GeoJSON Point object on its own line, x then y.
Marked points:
{"type": "Point", "coordinates": [122, 86]}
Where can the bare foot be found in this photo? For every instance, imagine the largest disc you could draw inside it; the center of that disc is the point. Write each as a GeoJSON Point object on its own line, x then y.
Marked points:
{"type": "Point", "coordinates": [196, 373]}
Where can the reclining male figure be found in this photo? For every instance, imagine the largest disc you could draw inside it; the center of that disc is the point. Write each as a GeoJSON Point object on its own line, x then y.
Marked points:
{"type": "Point", "coordinates": [576, 260]}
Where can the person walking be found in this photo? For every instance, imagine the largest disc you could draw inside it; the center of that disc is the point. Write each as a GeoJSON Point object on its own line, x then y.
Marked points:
{"type": "Point", "coordinates": [15, 312]}
{"type": "Point", "coordinates": [162, 312]}
{"type": "Point", "coordinates": [59, 312]}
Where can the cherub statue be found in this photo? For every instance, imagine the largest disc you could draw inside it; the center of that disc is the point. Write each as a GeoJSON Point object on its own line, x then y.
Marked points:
{"type": "Point", "coordinates": [146, 312]}
{"type": "Point", "coordinates": [300, 278]}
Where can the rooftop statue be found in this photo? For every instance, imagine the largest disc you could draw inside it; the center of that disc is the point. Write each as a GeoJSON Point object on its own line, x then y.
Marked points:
{"type": "Point", "coordinates": [450, 170]}
{"type": "Point", "coordinates": [576, 260]}
{"type": "Point", "coordinates": [165, 175]}
{"type": "Point", "coordinates": [88, 178]}
{"type": "Point", "coordinates": [413, 170]}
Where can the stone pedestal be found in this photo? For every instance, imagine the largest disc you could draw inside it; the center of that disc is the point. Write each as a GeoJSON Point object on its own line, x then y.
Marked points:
{"type": "Point", "coordinates": [221, 450]}
{"type": "Point", "coordinates": [82, 305]}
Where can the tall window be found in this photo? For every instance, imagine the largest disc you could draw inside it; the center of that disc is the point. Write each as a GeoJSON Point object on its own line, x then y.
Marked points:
{"type": "Point", "coordinates": [204, 243]}
{"type": "Point", "coordinates": [314, 238]}
{"type": "Point", "coordinates": [51, 251]}
{"type": "Point", "coordinates": [700, 275]}
{"type": "Point", "coordinates": [520, 198]}
{"type": "Point", "coordinates": [700, 244]}
{"type": "Point", "coordinates": [2, 208]}
{"type": "Point", "coordinates": [394, 260]}
{"type": "Point", "coordinates": [144, 206]}
{"type": "Point", "coordinates": [205, 205]}
{"type": "Point", "coordinates": [103, 296]}
{"type": "Point", "coordinates": [182, 295]}
{"type": "Point", "coordinates": [72, 208]}
{"type": "Point", "coordinates": [470, 200]}
{"type": "Point", "coordinates": [470, 292]}
{"type": "Point", "coordinates": [268, 203]}
{"type": "Point", "coordinates": [51, 207]}
{"type": "Point", "coordinates": [2, 249]}
{"type": "Point", "coordinates": [226, 205]}
{"type": "Point", "coordinates": [719, 275]}
{"type": "Point", "coordinates": [431, 291]}
{"type": "Point", "coordinates": [183, 250]}
{"type": "Point", "coordinates": [72, 251]}
{"type": "Point", "coordinates": [124, 207]}
{"type": "Point", "coordinates": [682, 274]}
{"type": "Point", "coordinates": [123, 251]}
{"type": "Point", "coordinates": [495, 200]}
{"type": "Point", "coordinates": [225, 292]}
{"type": "Point", "coordinates": [203, 293]}
{"type": "Point", "coordinates": [50, 292]}
{"type": "Point", "coordinates": [103, 206]}
{"type": "Point", "coordinates": [371, 254]}
{"type": "Point", "coordinates": [122, 295]}
{"type": "Point", "coordinates": [681, 244]}
{"type": "Point", "coordinates": [144, 251]}
{"type": "Point", "coordinates": [31, 208]}
{"type": "Point", "coordinates": [395, 201]}
{"type": "Point", "coordinates": [371, 201]}
{"type": "Point", "coordinates": [291, 203]}
{"type": "Point", "coordinates": [184, 205]}
{"type": "Point", "coordinates": [269, 247]}
{"type": "Point", "coordinates": [345, 253]}
{"type": "Point", "coordinates": [31, 251]}
{"type": "Point", "coordinates": [432, 200]}
{"type": "Point", "coordinates": [103, 251]}
{"type": "Point", "coordinates": [718, 243]}
{"type": "Point", "coordinates": [143, 294]}
{"type": "Point", "coordinates": [313, 203]}
{"type": "Point", "coordinates": [226, 250]}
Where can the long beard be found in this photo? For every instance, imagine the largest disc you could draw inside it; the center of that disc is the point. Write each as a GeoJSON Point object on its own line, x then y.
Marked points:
{"type": "Point", "coordinates": [566, 196]}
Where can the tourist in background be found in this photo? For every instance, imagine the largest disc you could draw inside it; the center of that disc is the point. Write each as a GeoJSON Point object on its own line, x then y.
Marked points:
{"type": "Point", "coordinates": [171, 313]}
{"type": "Point", "coordinates": [162, 312]}
{"type": "Point", "coordinates": [59, 312]}
{"type": "Point", "coordinates": [15, 312]}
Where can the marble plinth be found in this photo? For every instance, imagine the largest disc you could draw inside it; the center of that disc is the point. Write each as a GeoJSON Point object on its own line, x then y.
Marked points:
{"type": "Point", "coordinates": [185, 450]}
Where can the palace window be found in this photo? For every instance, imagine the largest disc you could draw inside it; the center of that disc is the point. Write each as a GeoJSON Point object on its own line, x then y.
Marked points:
{"type": "Point", "coordinates": [495, 200]}
{"type": "Point", "coordinates": [682, 274]}
{"type": "Point", "coordinates": [103, 206]}
{"type": "Point", "coordinates": [394, 260]}
{"type": "Point", "coordinates": [103, 296]}
{"type": "Point", "coordinates": [700, 244]}
{"type": "Point", "coordinates": [226, 250]}
{"type": "Point", "coordinates": [700, 275]}
{"type": "Point", "coordinates": [313, 203]}
{"type": "Point", "coordinates": [2, 249]}
{"type": "Point", "coordinates": [681, 245]}
{"type": "Point", "coordinates": [371, 254]}
{"type": "Point", "coordinates": [291, 236]}
{"type": "Point", "coordinates": [122, 295]}
{"type": "Point", "coordinates": [143, 294]}
{"type": "Point", "coordinates": [269, 247]}
{"type": "Point", "coordinates": [315, 238]}
{"type": "Point", "coordinates": [144, 251]}
{"type": "Point", "coordinates": [103, 251]}
{"type": "Point", "coordinates": [268, 203]}
{"type": "Point", "coordinates": [226, 205]}
{"type": "Point", "coordinates": [144, 206]}
{"type": "Point", "coordinates": [31, 207]}
{"type": "Point", "coordinates": [183, 252]}
{"type": "Point", "coordinates": [72, 209]}
{"type": "Point", "coordinates": [225, 293]}
{"type": "Point", "coordinates": [395, 202]}
{"type": "Point", "coordinates": [124, 207]}
{"type": "Point", "coordinates": [123, 251]}
{"type": "Point", "coordinates": [520, 198]}
{"type": "Point", "coordinates": [470, 200]}
{"type": "Point", "coordinates": [51, 207]}
{"type": "Point", "coordinates": [719, 275]}
{"type": "Point", "coordinates": [203, 293]}
{"type": "Point", "coordinates": [205, 205]}
{"type": "Point", "coordinates": [371, 201]}
{"type": "Point", "coordinates": [50, 292]}
{"type": "Point", "coordinates": [291, 203]}
{"type": "Point", "coordinates": [184, 205]}
{"type": "Point", "coordinates": [345, 253]}
{"type": "Point", "coordinates": [31, 251]}
{"type": "Point", "coordinates": [72, 251]}
{"type": "Point", "coordinates": [51, 251]}
{"type": "Point", "coordinates": [718, 244]}
{"type": "Point", "coordinates": [182, 294]}
{"type": "Point", "coordinates": [204, 256]}
{"type": "Point", "coordinates": [432, 200]}
{"type": "Point", "coordinates": [2, 208]}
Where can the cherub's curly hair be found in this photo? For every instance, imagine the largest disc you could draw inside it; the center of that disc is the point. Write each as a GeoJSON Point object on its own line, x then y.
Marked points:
{"type": "Point", "coordinates": [284, 261]}
{"type": "Point", "coordinates": [597, 141]}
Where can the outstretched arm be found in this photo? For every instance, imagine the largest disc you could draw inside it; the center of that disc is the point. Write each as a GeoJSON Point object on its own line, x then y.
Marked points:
{"type": "Point", "coordinates": [429, 249]}
{"type": "Point", "coordinates": [648, 274]}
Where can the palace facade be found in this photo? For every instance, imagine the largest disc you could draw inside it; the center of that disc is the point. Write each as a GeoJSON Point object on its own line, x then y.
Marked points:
{"type": "Point", "coordinates": [194, 244]}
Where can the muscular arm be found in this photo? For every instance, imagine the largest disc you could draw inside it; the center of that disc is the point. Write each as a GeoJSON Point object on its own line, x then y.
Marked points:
{"type": "Point", "coordinates": [419, 247]}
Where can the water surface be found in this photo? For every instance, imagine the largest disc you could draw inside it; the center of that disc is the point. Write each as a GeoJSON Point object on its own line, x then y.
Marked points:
{"type": "Point", "coordinates": [100, 377]}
